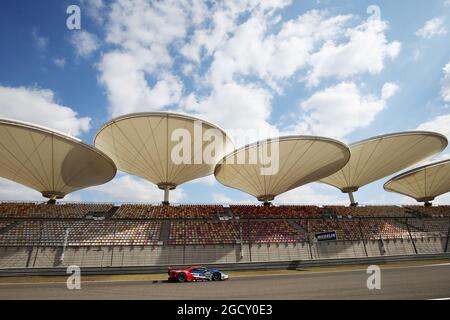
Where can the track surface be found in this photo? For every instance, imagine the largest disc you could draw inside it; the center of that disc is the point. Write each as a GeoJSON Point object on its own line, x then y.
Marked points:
{"type": "Point", "coordinates": [423, 282]}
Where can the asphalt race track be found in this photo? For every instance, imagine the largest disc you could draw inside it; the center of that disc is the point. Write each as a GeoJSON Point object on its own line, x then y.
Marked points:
{"type": "Point", "coordinates": [422, 282]}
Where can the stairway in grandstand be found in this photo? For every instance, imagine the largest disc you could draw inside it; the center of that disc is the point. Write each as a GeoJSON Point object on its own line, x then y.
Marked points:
{"type": "Point", "coordinates": [165, 232]}
{"type": "Point", "coordinates": [112, 211]}
{"type": "Point", "coordinates": [414, 213]}
{"type": "Point", "coordinates": [417, 226]}
{"type": "Point", "coordinates": [227, 214]}
{"type": "Point", "coordinates": [298, 227]}
{"type": "Point", "coordinates": [6, 226]}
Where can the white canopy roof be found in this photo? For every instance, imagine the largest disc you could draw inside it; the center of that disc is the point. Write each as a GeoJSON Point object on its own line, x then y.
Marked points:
{"type": "Point", "coordinates": [302, 159]}
{"type": "Point", "coordinates": [423, 183]}
{"type": "Point", "coordinates": [381, 156]}
{"type": "Point", "coordinates": [49, 161]}
{"type": "Point", "coordinates": [142, 144]}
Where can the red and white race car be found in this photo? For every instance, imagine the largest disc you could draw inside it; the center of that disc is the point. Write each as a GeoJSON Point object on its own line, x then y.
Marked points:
{"type": "Point", "coordinates": [196, 273]}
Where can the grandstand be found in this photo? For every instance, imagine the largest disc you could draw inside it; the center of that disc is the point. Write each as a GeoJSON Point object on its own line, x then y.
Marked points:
{"type": "Point", "coordinates": [40, 235]}
{"type": "Point", "coordinates": [37, 235]}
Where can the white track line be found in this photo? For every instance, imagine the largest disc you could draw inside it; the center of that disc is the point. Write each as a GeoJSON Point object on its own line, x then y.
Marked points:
{"type": "Point", "coordinates": [441, 264]}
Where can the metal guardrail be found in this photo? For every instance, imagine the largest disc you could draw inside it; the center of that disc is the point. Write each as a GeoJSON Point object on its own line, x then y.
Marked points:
{"type": "Point", "coordinates": [295, 264]}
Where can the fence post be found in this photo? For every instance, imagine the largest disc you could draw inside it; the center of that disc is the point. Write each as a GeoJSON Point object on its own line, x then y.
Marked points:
{"type": "Point", "coordinates": [448, 235]}
{"type": "Point", "coordinates": [362, 237]}
{"type": "Point", "coordinates": [410, 236]}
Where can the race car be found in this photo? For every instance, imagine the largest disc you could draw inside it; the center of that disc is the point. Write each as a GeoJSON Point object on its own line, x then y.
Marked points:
{"type": "Point", "coordinates": [196, 273]}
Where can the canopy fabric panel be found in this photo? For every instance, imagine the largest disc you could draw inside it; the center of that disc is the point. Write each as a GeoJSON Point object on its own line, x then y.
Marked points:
{"type": "Point", "coordinates": [300, 160]}
{"type": "Point", "coordinates": [381, 156]}
{"type": "Point", "coordinates": [48, 161]}
{"type": "Point", "coordinates": [142, 143]}
{"type": "Point", "coordinates": [423, 183]}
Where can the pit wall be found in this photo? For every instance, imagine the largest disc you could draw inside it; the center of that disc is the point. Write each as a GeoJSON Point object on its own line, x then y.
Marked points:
{"type": "Point", "coordinates": [125, 256]}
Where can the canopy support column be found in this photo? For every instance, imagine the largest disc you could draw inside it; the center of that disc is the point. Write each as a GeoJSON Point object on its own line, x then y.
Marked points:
{"type": "Point", "coordinates": [166, 187]}
{"type": "Point", "coordinates": [52, 200]}
{"type": "Point", "coordinates": [352, 200]}
{"type": "Point", "coordinates": [166, 195]}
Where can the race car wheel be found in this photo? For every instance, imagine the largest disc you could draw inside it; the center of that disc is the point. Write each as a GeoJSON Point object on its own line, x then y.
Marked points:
{"type": "Point", "coordinates": [216, 276]}
{"type": "Point", "coordinates": [182, 277]}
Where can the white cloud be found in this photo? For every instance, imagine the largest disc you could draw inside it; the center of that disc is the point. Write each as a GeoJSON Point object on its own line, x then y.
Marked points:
{"type": "Point", "coordinates": [223, 20]}
{"type": "Point", "coordinates": [207, 181]}
{"type": "Point", "coordinates": [440, 124]}
{"type": "Point", "coordinates": [13, 191]}
{"type": "Point", "coordinates": [339, 110]}
{"type": "Point", "coordinates": [94, 9]}
{"type": "Point", "coordinates": [127, 87]}
{"type": "Point", "coordinates": [253, 49]}
{"type": "Point", "coordinates": [234, 107]}
{"type": "Point", "coordinates": [221, 198]}
{"type": "Point", "coordinates": [126, 188]}
{"type": "Point", "coordinates": [365, 52]}
{"type": "Point", "coordinates": [446, 83]}
{"type": "Point", "coordinates": [41, 43]}
{"type": "Point", "coordinates": [146, 29]}
{"type": "Point", "coordinates": [312, 194]}
{"type": "Point", "coordinates": [85, 43]}
{"type": "Point", "coordinates": [433, 27]}
{"type": "Point", "coordinates": [10, 190]}
{"type": "Point", "coordinates": [442, 199]}
{"type": "Point", "coordinates": [59, 62]}
{"type": "Point", "coordinates": [235, 56]}
{"type": "Point", "coordinates": [142, 33]}
{"type": "Point", "coordinates": [224, 199]}
{"type": "Point", "coordinates": [39, 106]}
{"type": "Point", "coordinates": [389, 89]}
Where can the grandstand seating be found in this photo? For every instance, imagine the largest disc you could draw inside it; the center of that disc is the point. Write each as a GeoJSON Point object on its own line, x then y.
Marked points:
{"type": "Point", "coordinates": [369, 211]}
{"type": "Point", "coordinates": [345, 230]}
{"type": "Point", "coordinates": [32, 210]}
{"type": "Point", "coordinates": [431, 211]}
{"type": "Point", "coordinates": [437, 227]}
{"type": "Point", "coordinates": [380, 228]}
{"type": "Point", "coordinates": [286, 212]}
{"type": "Point", "coordinates": [204, 232]}
{"type": "Point", "coordinates": [139, 211]}
{"type": "Point", "coordinates": [4, 224]}
{"type": "Point", "coordinates": [81, 233]}
{"type": "Point", "coordinates": [144, 211]}
{"type": "Point", "coordinates": [271, 231]}
{"type": "Point", "coordinates": [28, 224]}
{"type": "Point", "coordinates": [357, 229]}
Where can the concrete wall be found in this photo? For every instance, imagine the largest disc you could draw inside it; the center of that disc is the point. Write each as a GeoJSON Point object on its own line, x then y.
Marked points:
{"type": "Point", "coordinates": [45, 257]}
{"type": "Point", "coordinates": [338, 249]}
{"type": "Point", "coordinates": [430, 245]}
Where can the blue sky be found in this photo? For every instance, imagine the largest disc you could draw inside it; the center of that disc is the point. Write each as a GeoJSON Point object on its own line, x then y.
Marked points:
{"type": "Point", "coordinates": [241, 64]}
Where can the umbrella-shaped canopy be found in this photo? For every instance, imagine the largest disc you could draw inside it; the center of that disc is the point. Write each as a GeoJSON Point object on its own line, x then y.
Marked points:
{"type": "Point", "coordinates": [49, 161]}
{"type": "Point", "coordinates": [423, 183]}
{"type": "Point", "coordinates": [167, 149]}
{"type": "Point", "coordinates": [378, 157]}
{"type": "Point", "coordinates": [289, 163]}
